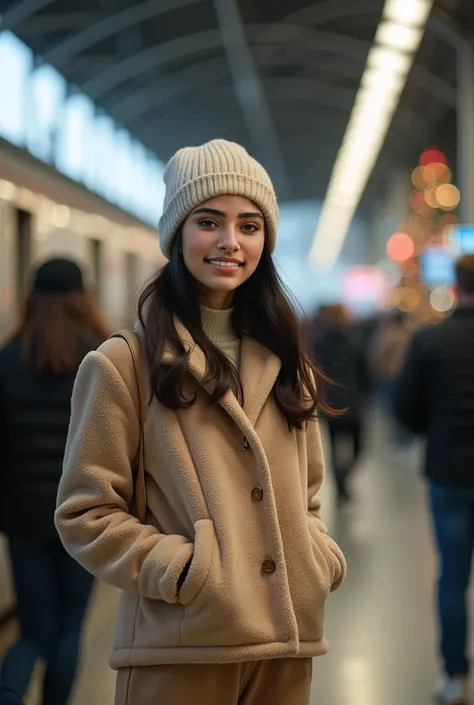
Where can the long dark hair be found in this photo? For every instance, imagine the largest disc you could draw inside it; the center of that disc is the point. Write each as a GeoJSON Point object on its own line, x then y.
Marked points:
{"type": "Point", "coordinates": [261, 310]}
{"type": "Point", "coordinates": [55, 328]}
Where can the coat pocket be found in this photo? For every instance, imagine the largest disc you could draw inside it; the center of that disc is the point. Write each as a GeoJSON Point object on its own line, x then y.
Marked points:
{"type": "Point", "coordinates": [311, 576]}
{"type": "Point", "coordinates": [204, 543]}
{"type": "Point", "coordinates": [324, 546]}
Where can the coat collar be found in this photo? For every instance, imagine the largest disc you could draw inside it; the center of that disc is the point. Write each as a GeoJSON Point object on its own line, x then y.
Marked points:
{"type": "Point", "coordinates": [259, 370]}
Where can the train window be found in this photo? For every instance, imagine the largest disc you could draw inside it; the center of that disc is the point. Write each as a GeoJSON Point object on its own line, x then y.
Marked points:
{"type": "Point", "coordinates": [97, 267]}
{"type": "Point", "coordinates": [23, 253]}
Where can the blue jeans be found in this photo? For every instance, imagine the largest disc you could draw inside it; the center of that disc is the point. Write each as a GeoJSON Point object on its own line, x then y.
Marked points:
{"type": "Point", "coordinates": [453, 518]}
{"type": "Point", "coordinates": [52, 593]}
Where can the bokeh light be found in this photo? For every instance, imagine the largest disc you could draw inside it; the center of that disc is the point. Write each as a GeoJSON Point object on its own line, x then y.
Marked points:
{"type": "Point", "coordinates": [418, 203]}
{"type": "Point", "coordinates": [417, 177]}
{"type": "Point", "coordinates": [442, 299]}
{"type": "Point", "coordinates": [436, 174]}
{"type": "Point", "coordinates": [432, 156]}
{"type": "Point", "coordinates": [448, 197]}
{"type": "Point", "coordinates": [400, 247]}
{"type": "Point", "coordinates": [430, 196]}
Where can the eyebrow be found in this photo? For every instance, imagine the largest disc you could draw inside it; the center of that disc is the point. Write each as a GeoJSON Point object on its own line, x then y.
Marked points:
{"type": "Point", "coordinates": [213, 211]}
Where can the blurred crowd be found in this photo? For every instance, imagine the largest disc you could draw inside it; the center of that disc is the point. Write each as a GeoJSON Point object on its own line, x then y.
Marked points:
{"type": "Point", "coordinates": [422, 378]}
{"type": "Point", "coordinates": [362, 359]}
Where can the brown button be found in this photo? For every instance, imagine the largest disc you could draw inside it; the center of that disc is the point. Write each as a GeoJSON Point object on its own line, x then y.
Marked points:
{"type": "Point", "coordinates": [257, 494]}
{"type": "Point", "coordinates": [246, 444]}
{"type": "Point", "coordinates": [268, 566]}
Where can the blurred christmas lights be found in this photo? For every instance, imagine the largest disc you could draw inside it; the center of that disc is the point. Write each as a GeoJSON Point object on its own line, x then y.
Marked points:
{"type": "Point", "coordinates": [442, 299]}
{"type": "Point", "coordinates": [433, 156]}
{"type": "Point", "coordinates": [423, 246]}
{"type": "Point", "coordinates": [448, 197]}
{"type": "Point", "coordinates": [400, 247]}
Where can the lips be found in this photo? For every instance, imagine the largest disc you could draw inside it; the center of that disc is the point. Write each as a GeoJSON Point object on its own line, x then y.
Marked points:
{"type": "Point", "coordinates": [227, 263]}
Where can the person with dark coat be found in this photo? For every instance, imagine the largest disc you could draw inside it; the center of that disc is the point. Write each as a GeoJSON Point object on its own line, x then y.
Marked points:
{"type": "Point", "coordinates": [37, 371]}
{"type": "Point", "coordinates": [434, 397]}
{"type": "Point", "coordinates": [335, 349]}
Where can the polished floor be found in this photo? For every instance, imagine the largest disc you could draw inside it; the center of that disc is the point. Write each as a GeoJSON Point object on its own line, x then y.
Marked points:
{"type": "Point", "coordinates": [380, 625]}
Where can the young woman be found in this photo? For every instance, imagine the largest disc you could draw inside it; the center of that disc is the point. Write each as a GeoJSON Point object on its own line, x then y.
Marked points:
{"type": "Point", "coordinates": [225, 584]}
{"type": "Point", "coordinates": [61, 324]}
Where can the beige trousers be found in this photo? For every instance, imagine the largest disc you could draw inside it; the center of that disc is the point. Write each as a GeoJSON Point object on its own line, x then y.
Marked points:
{"type": "Point", "coordinates": [276, 682]}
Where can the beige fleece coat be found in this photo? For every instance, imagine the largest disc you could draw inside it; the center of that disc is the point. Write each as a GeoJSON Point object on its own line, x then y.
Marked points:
{"type": "Point", "coordinates": [230, 487]}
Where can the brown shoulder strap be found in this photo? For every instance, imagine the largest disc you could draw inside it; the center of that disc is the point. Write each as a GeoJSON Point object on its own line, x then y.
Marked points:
{"type": "Point", "coordinates": [133, 342]}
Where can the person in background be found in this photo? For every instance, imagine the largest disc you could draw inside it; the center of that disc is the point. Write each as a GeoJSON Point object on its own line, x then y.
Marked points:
{"type": "Point", "coordinates": [343, 360]}
{"type": "Point", "coordinates": [388, 351]}
{"type": "Point", "coordinates": [226, 578]}
{"type": "Point", "coordinates": [61, 324]}
{"type": "Point", "coordinates": [434, 397]}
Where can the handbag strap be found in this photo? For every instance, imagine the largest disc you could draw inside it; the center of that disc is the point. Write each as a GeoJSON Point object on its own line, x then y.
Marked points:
{"type": "Point", "coordinates": [133, 342]}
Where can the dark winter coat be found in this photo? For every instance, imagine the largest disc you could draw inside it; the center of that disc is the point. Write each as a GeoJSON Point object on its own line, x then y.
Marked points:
{"type": "Point", "coordinates": [343, 360]}
{"type": "Point", "coordinates": [34, 420]}
{"type": "Point", "coordinates": [434, 397]}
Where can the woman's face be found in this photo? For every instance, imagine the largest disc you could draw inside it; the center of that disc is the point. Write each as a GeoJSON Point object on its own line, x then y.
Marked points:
{"type": "Point", "coordinates": [222, 240]}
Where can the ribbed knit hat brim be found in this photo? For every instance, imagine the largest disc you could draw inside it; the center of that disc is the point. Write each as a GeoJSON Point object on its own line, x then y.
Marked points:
{"type": "Point", "coordinates": [219, 168]}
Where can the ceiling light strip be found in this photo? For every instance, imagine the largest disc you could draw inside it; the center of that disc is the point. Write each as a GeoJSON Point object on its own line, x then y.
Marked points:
{"type": "Point", "coordinates": [391, 57]}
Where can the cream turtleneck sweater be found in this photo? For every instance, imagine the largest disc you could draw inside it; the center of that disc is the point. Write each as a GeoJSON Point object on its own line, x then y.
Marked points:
{"type": "Point", "coordinates": [218, 328]}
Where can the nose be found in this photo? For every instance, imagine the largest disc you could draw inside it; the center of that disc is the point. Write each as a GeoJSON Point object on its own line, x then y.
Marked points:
{"type": "Point", "coordinates": [229, 241]}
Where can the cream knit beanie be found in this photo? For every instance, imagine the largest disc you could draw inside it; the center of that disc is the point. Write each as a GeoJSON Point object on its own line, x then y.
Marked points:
{"type": "Point", "coordinates": [218, 168]}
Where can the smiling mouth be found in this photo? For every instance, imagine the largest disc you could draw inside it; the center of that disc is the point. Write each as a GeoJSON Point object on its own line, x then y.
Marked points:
{"type": "Point", "coordinates": [228, 264]}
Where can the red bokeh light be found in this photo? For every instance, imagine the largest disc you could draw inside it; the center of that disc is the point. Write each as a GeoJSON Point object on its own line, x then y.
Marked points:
{"type": "Point", "coordinates": [433, 156]}
{"type": "Point", "coordinates": [400, 247]}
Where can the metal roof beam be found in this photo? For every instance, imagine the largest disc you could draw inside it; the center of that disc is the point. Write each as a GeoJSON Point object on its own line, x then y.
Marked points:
{"type": "Point", "coordinates": [59, 22]}
{"type": "Point", "coordinates": [434, 85]}
{"type": "Point", "coordinates": [100, 29]}
{"type": "Point", "coordinates": [208, 75]}
{"type": "Point", "coordinates": [327, 11]}
{"type": "Point", "coordinates": [312, 91]}
{"type": "Point", "coordinates": [204, 73]}
{"type": "Point", "coordinates": [87, 64]}
{"type": "Point", "coordinates": [249, 90]}
{"type": "Point", "coordinates": [109, 26]}
{"type": "Point", "coordinates": [170, 87]}
{"type": "Point", "coordinates": [447, 32]}
{"type": "Point", "coordinates": [275, 91]}
{"type": "Point", "coordinates": [152, 57]}
{"type": "Point", "coordinates": [294, 26]}
{"type": "Point", "coordinates": [182, 47]}
{"type": "Point", "coordinates": [20, 12]}
{"type": "Point", "coordinates": [226, 114]}
{"type": "Point", "coordinates": [328, 138]}
{"type": "Point", "coordinates": [324, 40]}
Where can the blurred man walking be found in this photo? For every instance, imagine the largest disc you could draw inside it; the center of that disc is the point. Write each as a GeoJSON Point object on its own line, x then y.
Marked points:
{"type": "Point", "coordinates": [434, 397]}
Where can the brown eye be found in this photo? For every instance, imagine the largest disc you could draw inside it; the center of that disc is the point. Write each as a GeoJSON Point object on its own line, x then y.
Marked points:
{"type": "Point", "coordinates": [250, 227]}
{"type": "Point", "coordinates": [206, 223]}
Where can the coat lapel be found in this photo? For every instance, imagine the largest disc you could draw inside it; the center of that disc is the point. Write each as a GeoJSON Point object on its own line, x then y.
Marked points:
{"type": "Point", "coordinates": [259, 370]}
